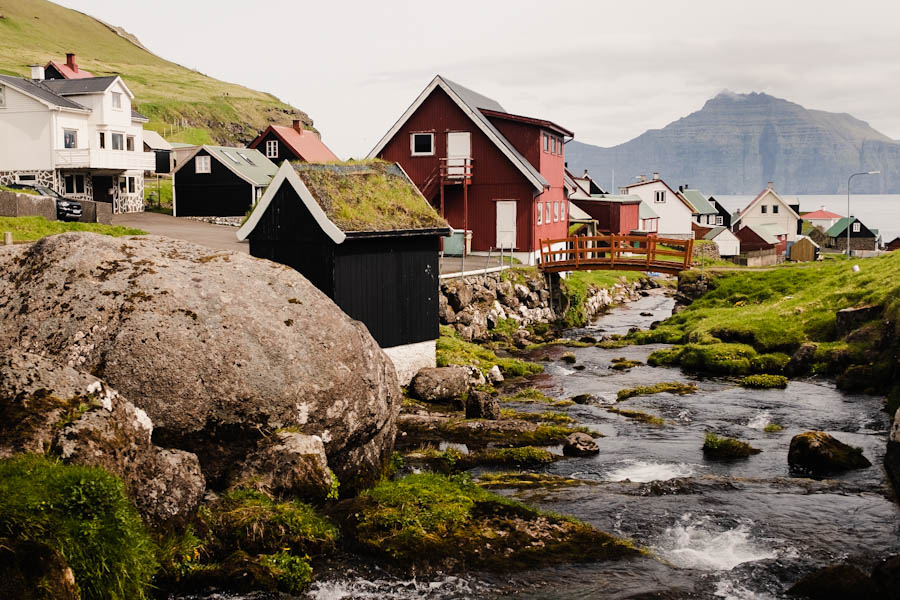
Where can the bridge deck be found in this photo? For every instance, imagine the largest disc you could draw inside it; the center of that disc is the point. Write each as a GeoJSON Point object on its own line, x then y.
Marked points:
{"type": "Point", "coordinates": [616, 253]}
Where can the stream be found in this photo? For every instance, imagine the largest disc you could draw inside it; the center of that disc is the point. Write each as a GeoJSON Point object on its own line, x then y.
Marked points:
{"type": "Point", "coordinates": [744, 529]}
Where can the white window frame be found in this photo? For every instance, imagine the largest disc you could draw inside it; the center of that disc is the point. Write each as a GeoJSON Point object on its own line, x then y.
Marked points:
{"type": "Point", "coordinates": [102, 140]}
{"type": "Point", "coordinates": [74, 132]}
{"type": "Point", "coordinates": [659, 197]}
{"type": "Point", "coordinates": [562, 210]}
{"type": "Point", "coordinates": [546, 143]}
{"type": "Point", "coordinates": [116, 100]}
{"type": "Point", "coordinates": [112, 141]}
{"type": "Point", "coordinates": [764, 209]}
{"type": "Point", "coordinates": [540, 213]}
{"type": "Point", "coordinates": [412, 143]}
{"type": "Point", "coordinates": [720, 220]}
{"type": "Point", "coordinates": [271, 148]}
{"type": "Point", "coordinates": [202, 164]}
{"type": "Point", "coordinates": [129, 140]}
{"type": "Point", "coordinates": [856, 227]}
{"type": "Point", "coordinates": [132, 185]}
{"type": "Point", "coordinates": [546, 212]}
{"type": "Point", "coordinates": [774, 209]}
{"type": "Point", "coordinates": [2, 96]}
{"type": "Point", "coordinates": [556, 212]}
{"type": "Point", "coordinates": [74, 178]}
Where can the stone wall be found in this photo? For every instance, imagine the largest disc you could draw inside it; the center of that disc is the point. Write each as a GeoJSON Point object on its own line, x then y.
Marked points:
{"type": "Point", "coordinates": [475, 306]}
{"type": "Point", "coordinates": [856, 243]}
{"type": "Point", "coordinates": [706, 250]}
{"type": "Point", "coordinates": [27, 205]}
{"type": "Point", "coordinates": [96, 212]}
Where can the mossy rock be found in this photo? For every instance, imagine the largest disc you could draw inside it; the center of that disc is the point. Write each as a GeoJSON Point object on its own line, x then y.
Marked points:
{"type": "Point", "coordinates": [671, 387]}
{"type": "Point", "coordinates": [568, 357]}
{"type": "Point", "coordinates": [454, 461]}
{"type": "Point", "coordinates": [725, 448]}
{"type": "Point", "coordinates": [624, 364]}
{"type": "Point", "coordinates": [818, 453]}
{"type": "Point", "coordinates": [762, 382]}
{"type": "Point", "coordinates": [34, 571]}
{"type": "Point", "coordinates": [525, 480]}
{"type": "Point", "coordinates": [240, 572]}
{"type": "Point", "coordinates": [428, 522]}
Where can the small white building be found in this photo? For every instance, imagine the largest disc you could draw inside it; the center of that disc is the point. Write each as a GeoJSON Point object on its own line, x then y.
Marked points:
{"type": "Point", "coordinates": [770, 210]}
{"type": "Point", "coordinates": [675, 213]}
{"type": "Point", "coordinates": [80, 137]}
{"type": "Point", "coordinates": [727, 243]}
{"type": "Point", "coordinates": [822, 218]}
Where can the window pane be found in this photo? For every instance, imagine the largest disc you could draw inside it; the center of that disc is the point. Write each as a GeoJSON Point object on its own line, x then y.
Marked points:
{"type": "Point", "coordinates": [102, 140]}
{"type": "Point", "coordinates": [79, 184]}
{"type": "Point", "coordinates": [422, 143]}
{"type": "Point", "coordinates": [540, 214]}
{"type": "Point", "coordinates": [129, 144]}
{"type": "Point", "coordinates": [131, 185]}
{"type": "Point", "coordinates": [70, 138]}
{"type": "Point", "coordinates": [70, 184]}
{"type": "Point", "coordinates": [272, 149]}
{"type": "Point", "coordinates": [546, 143]}
{"type": "Point", "coordinates": [116, 100]}
{"type": "Point", "coordinates": [117, 141]}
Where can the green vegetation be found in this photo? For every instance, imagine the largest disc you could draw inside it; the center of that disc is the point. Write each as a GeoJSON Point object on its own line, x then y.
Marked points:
{"type": "Point", "coordinates": [578, 285]}
{"type": "Point", "coordinates": [452, 460]}
{"type": "Point", "coordinates": [507, 433]}
{"type": "Point", "coordinates": [524, 480]}
{"type": "Point", "coordinates": [203, 108]}
{"type": "Point", "coordinates": [453, 350]}
{"type": "Point", "coordinates": [623, 364]}
{"type": "Point", "coordinates": [528, 395]}
{"type": "Point", "coordinates": [368, 196]}
{"type": "Point", "coordinates": [719, 359]}
{"type": "Point", "coordinates": [671, 387]}
{"type": "Point", "coordinates": [724, 448]}
{"type": "Point", "coordinates": [30, 192]}
{"type": "Point", "coordinates": [772, 428]}
{"type": "Point", "coordinates": [84, 514]}
{"type": "Point", "coordinates": [568, 357]}
{"type": "Point", "coordinates": [158, 200]}
{"type": "Point", "coordinates": [638, 415]}
{"type": "Point", "coordinates": [34, 228]}
{"type": "Point", "coordinates": [428, 520]}
{"type": "Point", "coordinates": [764, 381]}
{"type": "Point", "coordinates": [541, 417]}
{"type": "Point", "coordinates": [292, 572]}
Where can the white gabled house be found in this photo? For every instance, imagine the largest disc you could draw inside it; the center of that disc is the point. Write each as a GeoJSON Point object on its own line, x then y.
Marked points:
{"type": "Point", "coordinates": [770, 210]}
{"type": "Point", "coordinates": [80, 137]}
{"type": "Point", "coordinates": [674, 212]}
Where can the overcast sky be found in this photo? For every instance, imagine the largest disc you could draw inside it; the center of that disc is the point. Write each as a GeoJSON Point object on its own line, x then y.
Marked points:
{"type": "Point", "coordinates": [606, 70]}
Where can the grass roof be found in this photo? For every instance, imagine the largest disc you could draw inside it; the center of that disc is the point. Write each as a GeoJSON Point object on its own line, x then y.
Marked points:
{"type": "Point", "coordinates": [371, 195]}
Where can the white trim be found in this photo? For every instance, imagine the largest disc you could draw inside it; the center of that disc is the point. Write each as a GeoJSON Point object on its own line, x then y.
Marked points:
{"type": "Point", "coordinates": [758, 198]}
{"type": "Point", "coordinates": [47, 103]}
{"type": "Point", "coordinates": [287, 172]}
{"type": "Point", "coordinates": [412, 143]}
{"type": "Point", "coordinates": [438, 82]}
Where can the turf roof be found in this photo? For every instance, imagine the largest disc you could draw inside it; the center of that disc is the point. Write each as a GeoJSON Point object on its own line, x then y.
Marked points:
{"type": "Point", "coordinates": [371, 195]}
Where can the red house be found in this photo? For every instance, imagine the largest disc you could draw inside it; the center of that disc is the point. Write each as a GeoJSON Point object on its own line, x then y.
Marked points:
{"type": "Point", "coordinates": [497, 174]}
{"type": "Point", "coordinates": [281, 143]}
{"type": "Point", "coordinates": [894, 244]}
{"type": "Point", "coordinates": [66, 70]}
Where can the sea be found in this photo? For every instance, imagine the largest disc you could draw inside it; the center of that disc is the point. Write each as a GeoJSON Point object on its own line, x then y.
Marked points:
{"type": "Point", "coordinates": [876, 211]}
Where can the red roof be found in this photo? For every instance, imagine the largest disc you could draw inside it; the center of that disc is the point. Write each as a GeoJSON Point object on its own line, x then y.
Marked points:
{"type": "Point", "coordinates": [68, 72]}
{"type": "Point", "coordinates": [821, 214]}
{"type": "Point", "coordinates": [307, 145]}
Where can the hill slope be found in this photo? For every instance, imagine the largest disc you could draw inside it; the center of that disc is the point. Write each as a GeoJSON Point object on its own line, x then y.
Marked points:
{"type": "Point", "coordinates": [37, 31]}
{"type": "Point", "coordinates": [737, 143]}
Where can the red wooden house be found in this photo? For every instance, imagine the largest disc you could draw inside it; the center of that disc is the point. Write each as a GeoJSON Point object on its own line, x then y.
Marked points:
{"type": "Point", "coordinates": [280, 143]}
{"type": "Point", "coordinates": [497, 174]}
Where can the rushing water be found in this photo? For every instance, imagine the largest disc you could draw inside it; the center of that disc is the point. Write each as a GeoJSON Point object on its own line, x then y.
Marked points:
{"type": "Point", "coordinates": [738, 530]}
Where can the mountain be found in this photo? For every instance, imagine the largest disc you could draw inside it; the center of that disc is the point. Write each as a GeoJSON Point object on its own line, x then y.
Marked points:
{"type": "Point", "coordinates": [737, 143]}
{"type": "Point", "coordinates": [203, 109]}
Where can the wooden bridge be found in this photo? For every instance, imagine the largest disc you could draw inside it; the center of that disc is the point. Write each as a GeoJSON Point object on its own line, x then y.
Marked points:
{"type": "Point", "coordinates": [616, 253]}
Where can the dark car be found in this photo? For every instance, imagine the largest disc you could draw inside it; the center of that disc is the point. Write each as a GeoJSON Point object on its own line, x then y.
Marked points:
{"type": "Point", "coordinates": [66, 210]}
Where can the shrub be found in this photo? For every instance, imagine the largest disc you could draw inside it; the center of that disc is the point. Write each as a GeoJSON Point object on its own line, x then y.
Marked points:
{"type": "Point", "coordinates": [764, 381]}
{"type": "Point", "coordinates": [84, 514]}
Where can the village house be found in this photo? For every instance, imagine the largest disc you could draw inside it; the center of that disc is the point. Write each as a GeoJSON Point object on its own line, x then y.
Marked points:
{"type": "Point", "coordinates": [705, 213]}
{"type": "Point", "coordinates": [616, 215]}
{"type": "Point", "coordinates": [861, 237]}
{"type": "Point", "coordinates": [496, 174]}
{"type": "Point", "coordinates": [758, 246]}
{"type": "Point", "coordinates": [724, 215]}
{"type": "Point", "coordinates": [770, 210]}
{"type": "Point", "coordinates": [804, 250]}
{"type": "Point", "coordinates": [66, 70]}
{"type": "Point", "coordinates": [892, 245]}
{"type": "Point", "coordinates": [587, 183]}
{"type": "Point", "coordinates": [726, 242]}
{"type": "Point", "coordinates": [648, 220]}
{"type": "Point", "coordinates": [78, 136]}
{"type": "Point", "coordinates": [366, 237]}
{"type": "Point", "coordinates": [219, 181]}
{"type": "Point", "coordinates": [580, 222]}
{"type": "Point", "coordinates": [821, 218]}
{"type": "Point", "coordinates": [280, 143]}
{"type": "Point", "coordinates": [674, 212]}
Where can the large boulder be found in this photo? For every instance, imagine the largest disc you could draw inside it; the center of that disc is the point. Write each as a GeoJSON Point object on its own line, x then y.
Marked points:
{"type": "Point", "coordinates": [440, 384]}
{"type": "Point", "coordinates": [219, 348]}
{"type": "Point", "coordinates": [291, 463]}
{"type": "Point", "coordinates": [817, 453]}
{"type": "Point", "coordinates": [481, 405]}
{"type": "Point", "coordinates": [836, 582]}
{"type": "Point", "coordinates": [45, 407]}
{"type": "Point", "coordinates": [802, 360]}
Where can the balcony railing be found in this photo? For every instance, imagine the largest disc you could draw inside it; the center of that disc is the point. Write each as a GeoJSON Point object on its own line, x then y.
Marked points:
{"type": "Point", "coordinates": [120, 160]}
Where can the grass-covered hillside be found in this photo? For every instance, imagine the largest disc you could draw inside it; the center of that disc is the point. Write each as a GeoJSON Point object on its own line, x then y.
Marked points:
{"type": "Point", "coordinates": [37, 31]}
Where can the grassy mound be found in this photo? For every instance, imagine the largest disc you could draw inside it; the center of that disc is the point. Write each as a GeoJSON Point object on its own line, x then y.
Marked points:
{"type": "Point", "coordinates": [454, 461]}
{"type": "Point", "coordinates": [719, 359]}
{"type": "Point", "coordinates": [83, 514]}
{"type": "Point", "coordinates": [578, 286]}
{"type": "Point", "coordinates": [25, 229]}
{"type": "Point", "coordinates": [428, 521]}
{"type": "Point", "coordinates": [453, 350]}
{"type": "Point", "coordinates": [725, 448]}
{"type": "Point", "coordinates": [762, 382]}
{"type": "Point", "coordinates": [671, 387]}
{"type": "Point", "coordinates": [525, 480]}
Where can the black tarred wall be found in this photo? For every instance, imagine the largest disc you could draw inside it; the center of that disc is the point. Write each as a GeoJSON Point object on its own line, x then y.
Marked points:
{"type": "Point", "coordinates": [219, 193]}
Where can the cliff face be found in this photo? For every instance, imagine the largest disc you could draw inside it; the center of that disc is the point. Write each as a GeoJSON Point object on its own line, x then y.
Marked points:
{"type": "Point", "coordinates": [737, 143]}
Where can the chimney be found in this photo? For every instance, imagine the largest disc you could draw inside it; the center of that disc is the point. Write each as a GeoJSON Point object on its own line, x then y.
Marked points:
{"type": "Point", "coordinates": [37, 73]}
{"type": "Point", "coordinates": [655, 175]}
{"type": "Point", "coordinates": [585, 176]}
{"type": "Point", "coordinates": [771, 185]}
{"type": "Point", "coordinates": [298, 125]}
{"type": "Point", "coordinates": [70, 61]}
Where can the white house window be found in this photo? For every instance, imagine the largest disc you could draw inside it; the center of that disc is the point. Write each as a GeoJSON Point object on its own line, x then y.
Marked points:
{"type": "Point", "coordinates": [562, 211]}
{"type": "Point", "coordinates": [421, 144]}
{"type": "Point", "coordinates": [856, 228]}
{"type": "Point", "coordinates": [540, 213]}
{"type": "Point", "coordinates": [74, 184]}
{"type": "Point", "coordinates": [70, 138]}
{"type": "Point", "coordinates": [763, 208]}
{"type": "Point", "coordinates": [720, 220]}
{"type": "Point", "coordinates": [555, 212]}
{"type": "Point", "coordinates": [272, 149]}
{"type": "Point", "coordinates": [123, 185]}
{"type": "Point", "coordinates": [118, 141]}
{"type": "Point", "coordinates": [561, 147]}
{"type": "Point", "coordinates": [202, 164]}
{"type": "Point", "coordinates": [774, 209]}
{"type": "Point", "coordinates": [131, 185]}
{"type": "Point", "coordinates": [2, 97]}
{"type": "Point", "coordinates": [129, 143]}
{"type": "Point", "coordinates": [546, 212]}
{"type": "Point", "coordinates": [117, 100]}
{"type": "Point", "coordinates": [660, 196]}
{"type": "Point", "coordinates": [102, 140]}
{"type": "Point", "coordinates": [546, 143]}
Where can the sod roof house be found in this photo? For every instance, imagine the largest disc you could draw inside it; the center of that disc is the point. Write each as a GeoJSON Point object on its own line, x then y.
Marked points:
{"type": "Point", "coordinates": [367, 238]}
{"type": "Point", "coordinates": [281, 143]}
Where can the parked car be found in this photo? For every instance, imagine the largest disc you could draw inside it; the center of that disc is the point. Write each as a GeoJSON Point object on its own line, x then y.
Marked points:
{"type": "Point", "coordinates": [66, 210]}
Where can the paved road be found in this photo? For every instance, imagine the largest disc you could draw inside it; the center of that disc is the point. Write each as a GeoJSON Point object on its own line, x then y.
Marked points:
{"type": "Point", "coordinates": [219, 237]}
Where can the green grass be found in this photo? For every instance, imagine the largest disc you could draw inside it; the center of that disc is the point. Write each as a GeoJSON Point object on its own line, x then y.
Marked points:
{"type": "Point", "coordinates": [165, 192]}
{"type": "Point", "coordinates": [528, 395]}
{"type": "Point", "coordinates": [671, 387]}
{"type": "Point", "coordinates": [772, 428]}
{"type": "Point", "coordinates": [762, 382]}
{"type": "Point", "coordinates": [453, 350]}
{"type": "Point", "coordinates": [576, 288]}
{"type": "Point", "coordinates": [719, 359]}
{"type": "Point", "coordinates": [34, 228]}
{"type": "Point", "coordinates": [84, 514]}
{"type": "Point", "coordinates": [36, 31]}
{"type": "Point", "coordinates": [3, 188]}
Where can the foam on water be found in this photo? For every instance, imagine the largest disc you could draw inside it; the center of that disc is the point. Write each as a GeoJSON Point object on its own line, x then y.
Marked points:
{"type": "Point", "coordinates": [760, 421]}
{"type": "Point", "coordinates": [698, 543]}
{"type": "Point", "coordinates": [643, 471]}
{"type": "Point", "coordinates": [446, 588]}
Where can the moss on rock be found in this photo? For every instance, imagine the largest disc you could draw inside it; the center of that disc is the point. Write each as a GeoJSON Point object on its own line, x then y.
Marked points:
{"type": "Point", "coordinates": [671, 387]}
{"type": "Point", "coordinates": [638, 415]}
{"type": "Point", "coordinates": [725, 448]}
{"type": "Point", "coordinates": [762, 382]}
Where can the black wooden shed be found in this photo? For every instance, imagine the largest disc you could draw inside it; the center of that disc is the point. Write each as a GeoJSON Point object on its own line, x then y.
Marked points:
{"type": "Point", "coordinates": [217, 181]}
{"type": "Point", "coordinates": [364, 235]}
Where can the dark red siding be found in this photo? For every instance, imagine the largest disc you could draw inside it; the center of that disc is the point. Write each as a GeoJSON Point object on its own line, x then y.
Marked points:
{"type": "Point", "coordinates": [750, 241]}
{"type": "Point", "coordinates": [612, 217]}
{"type": "Point", "coordinates": [628, 218]}
{"type": "Point", "coordinates": [494, 176]}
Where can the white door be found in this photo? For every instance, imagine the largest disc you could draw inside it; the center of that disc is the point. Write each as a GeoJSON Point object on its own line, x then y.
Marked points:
{"type": "Point", "coordinates": [506, 224]}
{"type": "Point", "coordinates": [459, 151]}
